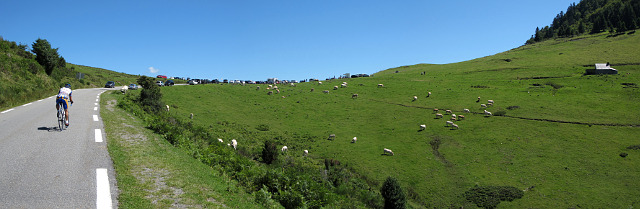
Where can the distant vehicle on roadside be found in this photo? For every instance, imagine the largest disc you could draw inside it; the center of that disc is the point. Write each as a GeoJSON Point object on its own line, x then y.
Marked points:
{"type": "Point", "coordinates": [193, 82]}
{"type": "Point", "coordinates": [161, 76]}
{"type": "Point", "coordinates": [110, 84]}
{"type": "Point", "coordinates": [133, 86]}
{"type": "Point", "coordinates": [159, 83]}
{"type": "Point", "coordinates": [169, 83]}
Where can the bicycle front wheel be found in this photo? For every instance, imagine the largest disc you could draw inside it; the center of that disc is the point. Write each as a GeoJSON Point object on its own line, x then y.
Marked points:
{"type": "Point", "coordinates": [61, 117]}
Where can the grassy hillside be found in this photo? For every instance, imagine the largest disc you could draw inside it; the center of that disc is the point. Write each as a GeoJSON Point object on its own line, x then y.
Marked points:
{"type": "Point", "coordinates": [23, 80]}
{"type": "Point", "coordinates": [559, 136]}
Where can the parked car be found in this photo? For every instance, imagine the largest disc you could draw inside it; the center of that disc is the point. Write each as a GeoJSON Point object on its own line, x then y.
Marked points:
{"type": "Point", "coordinates": [159, 83]}
{"type": "Point", "coordinates": [193, 82]}
{"type": "Point", "coordinates": [133, 86]}
{"type": "Point", "coordinates": [110, 84]}
{"type": "Point", "coordinates": [161, 76]}
{"type": "Point", "coordinates": [169, 83]}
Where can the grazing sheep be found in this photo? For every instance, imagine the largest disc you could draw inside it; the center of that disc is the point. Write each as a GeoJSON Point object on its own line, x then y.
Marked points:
{"type": "Point", "coordinates": [277, 91]}
{"type": "Point", "coordinates": [270, 86]}
{"type": "Point", "coordinates": [191, 116]}
{"type": "Point", "coordinates": [487, 113]}
{"type": "Point", "coordinates": [428, 94]}
{"type": "Point", "coordinates": [167, 108]}
{"type": "Point", "coordinates": [415, 98]}
{"type": "Point", "coordinates": [438, 115]}
{"type": "Point", "coordinates": [344, 85]}
{"type": "Point", "coordinates": [220, 140]}
{"type": "Point", "coordinates": [478, 100]}
{"type": "Point", "coordinates": [293, 85]}
{"type": "Point", "coordinates": [284, 149]}
{"type": "Point", "coordinates": [489, 104]}
{"type": "Point", "coordinates": [449, 123]}
{"type": "Point", "coordinates": [453, 119]}
{"type": "Point", "coordinates": [124, 89]}
{"type": "Point", "coordinates": [354, 140]}
{"type": "Point", "coordinates": [467, 110]}
{"type": "Point", "coordinates": [332, 137]}
{"type": "Point", "coordinates": [234, 143]}
{"type": "Point", "coordinates": [423, 127]}
{"type": "Point", "coordinates": [325, 91]}
{"type": "Point", "coordinates": [455, 126]}
{"type": "Point", "coordinates": [435, 110]}
{"type": "Point", "coordinates": [460, 117]}
{"type": "Point", "coordinates": [387, 151]}
{"type": "Point", "coordinates": [335, 87]}
{"type": "Point", "coordinates": [483, 105]}
{"type": "Point", "coordinates": [305, 153]}
{"type": "Point", "coordinates": [448, 111]}
{"type": "Point", "coordinates": [490, 101]}
{"type": "Point", "coordinates": [319, 82]}
{"type": "Point", "coordinates": [258, 88]}
{"type": "Point", "coordinates": [453, 115]}
{"type": "Point", "coordinates": [312, 89]}
{"type": "Point", "coordinates": [380, 85]}
{"type": "Point", "coordinates": [270, 93]}
{"type": "Point", "coordinates": [354, 96]}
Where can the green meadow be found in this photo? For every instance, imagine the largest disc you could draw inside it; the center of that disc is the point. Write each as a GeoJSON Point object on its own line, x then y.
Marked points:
{"type": "Point", "coordinates": [556, 134]}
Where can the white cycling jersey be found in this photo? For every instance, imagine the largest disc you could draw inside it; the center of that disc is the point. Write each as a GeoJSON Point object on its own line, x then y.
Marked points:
{"type": "Point", "coordinates": [64, 93]}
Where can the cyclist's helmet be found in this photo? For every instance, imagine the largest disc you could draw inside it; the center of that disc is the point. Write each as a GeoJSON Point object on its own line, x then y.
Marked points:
{"type": "Point", "coordinates": [67, 85]}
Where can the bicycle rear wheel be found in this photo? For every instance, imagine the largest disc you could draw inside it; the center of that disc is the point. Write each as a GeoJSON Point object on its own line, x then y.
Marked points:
{"type": "Point", "coordinates": [61, 117]}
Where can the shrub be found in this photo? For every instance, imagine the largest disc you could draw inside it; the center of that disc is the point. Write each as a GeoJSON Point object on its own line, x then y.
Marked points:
{"type": "Point", "coordinates": [623, 154]}
{"type": "Point", "coordinates": [262, 127]}
{"type": "Point", "coordinates": [392, 193]}
{"type": "Point", "coordinates": [263, 197]}
{"type": "Point", "coordinates": [491, 196]}
{"type": "Point", "coordinates": [500, 113]}
{"type": "Point", "coordinates": [269, 152]}
{"type": "Point", "coordinates": [150, 96]}
{"type": "Point", "coordinates": [634, 147]}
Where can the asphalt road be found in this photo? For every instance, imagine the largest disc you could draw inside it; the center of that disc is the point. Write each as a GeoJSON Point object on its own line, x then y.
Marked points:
{"type": "Point", "coordinates": [42, 167]}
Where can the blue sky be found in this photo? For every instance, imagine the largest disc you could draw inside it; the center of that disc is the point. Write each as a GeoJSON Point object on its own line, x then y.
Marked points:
{"type": "Point", "coordinates": [256, 40]}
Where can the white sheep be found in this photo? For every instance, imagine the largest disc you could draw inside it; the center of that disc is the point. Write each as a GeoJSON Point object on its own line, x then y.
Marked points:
{"type": "Point", "coordinates": [490, 101]}
{"type": "Point", "coordinates": [293, 85]}
{"type": "Point", "coordinates": [483, 105]}
{"type": "Point", "coordinates": [461, 117]}
{"type": "Point", "coordinates": [354, 96]}
{"type": "Point", "coordinates": [258, 88]}
{"type": "Point", "coordinates": [167, 108]}
{"type": "Point", "coordinates": [325, 91]}
{"type": "Point", "coordinates": [354, 140]}
{"type": "Point", "coordinates": [415, 98]}
{"type": "Point", "coordinates": [270, 93]}
{"type": "Point", "coordinates": [305, 153]}
{"type": "Point", "coordinates": [191, 116]}
{"type": "Point", "coordinates": [380, 85]}
{"type": "Point", "coordinates": [478, 99]}
{"type": "Point", "coordinates": [467, 110]}
{"type": "Point", "coordinates": [428, 94]}
{"type": "Point", "coordinates": [332, 137]}
{"type": "Point", "coordinates": [449, 123]}
{"type": "Point", "coordinates": [234, 143]}
{"type": "Point", "coordinates": [454, 126]}
{"type": "Point", "coordinates": [453, 115]}
{"type": "Point", "coordinates": [220, 140]}
{"type": "Point", "coordinates": [435, 110]}
{"type": "Point", "coordinates": [487, 113]}
{"type": "Point", "coordinates": [423, 127]}
{"type": "Point", "coordinates": [387, 151]}
{"type": "Point", "coordinates": [448, 111]}
{"type": "Point", "coordinates": [344, 85]}
{"type": "Point", "coordinates": [124, 89]}
{"type": "Point", "coordinates": [439, 115]}
{"type": "Point", "coordinates": [270, 86]}
{"type": "Point", "coordinates": [284, 148]}
{"type": "Point", "coordinates": [319, 82]}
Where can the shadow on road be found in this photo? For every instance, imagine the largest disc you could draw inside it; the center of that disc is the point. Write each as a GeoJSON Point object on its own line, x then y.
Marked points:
{"type": "Point", "coordinates": [49, 129]}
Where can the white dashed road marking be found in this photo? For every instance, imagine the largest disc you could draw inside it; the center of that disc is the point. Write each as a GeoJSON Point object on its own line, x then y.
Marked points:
{"type": "Point", "coordinates": [95, 117]}
{"type": "Point", "coordinates": [95, 108]}
{"type": "Point", "coordinates": [103, 193]}
{"type": "Point", "coordinates": [27, 104]}
{"type": "Point", "coordinates": [98, 135]}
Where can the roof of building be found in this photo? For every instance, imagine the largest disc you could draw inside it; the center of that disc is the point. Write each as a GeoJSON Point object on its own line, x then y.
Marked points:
{"type": "Point", "coordinates": [603, 66]}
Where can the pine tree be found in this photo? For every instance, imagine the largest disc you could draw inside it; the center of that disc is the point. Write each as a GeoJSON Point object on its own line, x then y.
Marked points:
{"type": "Point", "coordinates": [393, 195]}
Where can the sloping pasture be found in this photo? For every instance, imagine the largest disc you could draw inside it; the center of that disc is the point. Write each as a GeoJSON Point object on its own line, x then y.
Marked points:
{"type": "Point", "coordinates": [559, 136]}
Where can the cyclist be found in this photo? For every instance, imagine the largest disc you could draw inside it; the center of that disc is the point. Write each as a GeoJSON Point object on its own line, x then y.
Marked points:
{"type": "Point", "coordinates": [64, 97]}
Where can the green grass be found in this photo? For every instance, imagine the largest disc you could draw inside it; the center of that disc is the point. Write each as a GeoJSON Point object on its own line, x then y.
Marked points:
{"type": "Point", "coordinates": [564, 164]}
{"type": "Point", "coordinates": [151, 173]}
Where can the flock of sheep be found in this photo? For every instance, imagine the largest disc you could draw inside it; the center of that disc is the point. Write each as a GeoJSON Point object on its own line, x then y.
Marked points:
{"type": "Point", "coordinates": [386, 151]}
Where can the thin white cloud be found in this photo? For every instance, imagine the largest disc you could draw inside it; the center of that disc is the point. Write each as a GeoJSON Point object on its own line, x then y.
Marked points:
{"type": "Point", "coordinates": [153, 70]}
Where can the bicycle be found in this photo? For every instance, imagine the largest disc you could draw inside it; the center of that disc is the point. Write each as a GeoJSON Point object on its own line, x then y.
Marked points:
{"type": "Point", "coordinates": [61, 117]}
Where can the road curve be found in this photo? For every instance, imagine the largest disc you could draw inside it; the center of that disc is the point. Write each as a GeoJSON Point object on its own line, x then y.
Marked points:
{"type": "Point", "coordinates": [41, 167]}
